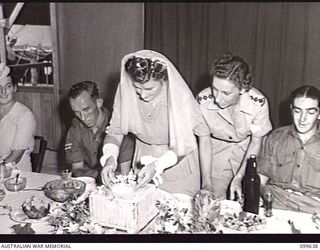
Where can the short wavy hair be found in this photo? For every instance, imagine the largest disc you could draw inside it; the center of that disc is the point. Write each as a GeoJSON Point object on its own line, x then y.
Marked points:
{"type": "Point", "coordinates": [78, 88]}
{"type": "Point", "coordinates": [307, 91]}
{"type": "Point", "coordinates": [143, 69]}
{"type": "Point", "coordinates": [233, 68]}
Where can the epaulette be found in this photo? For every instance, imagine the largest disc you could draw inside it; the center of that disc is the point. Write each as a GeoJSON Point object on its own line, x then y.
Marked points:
{"type": "Point", "coordinates": [280, 129]}
{"type": "Point", "coordinates": [257, 96]}
{"type": "Point", "coordinates": [204, 96]}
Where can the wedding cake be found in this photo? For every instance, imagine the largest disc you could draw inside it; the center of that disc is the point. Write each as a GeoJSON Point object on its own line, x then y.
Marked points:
{"type": "Point", "coordinates": [123, 207]}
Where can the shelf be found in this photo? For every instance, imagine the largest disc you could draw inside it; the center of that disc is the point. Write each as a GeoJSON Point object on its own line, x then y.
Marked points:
{"type": "Point", "coordinates": [39, 88]}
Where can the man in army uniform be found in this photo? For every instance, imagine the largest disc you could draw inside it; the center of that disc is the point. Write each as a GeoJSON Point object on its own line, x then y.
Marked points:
{"type": "Point", "coordinates": [85, 137]}
{"type": "Point", "coordinates": [289, 160]}
{"type": "Point", "coordinates": [238, 118]}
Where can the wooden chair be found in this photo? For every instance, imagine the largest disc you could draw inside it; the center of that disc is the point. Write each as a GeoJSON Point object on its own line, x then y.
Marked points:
{"type": "Point", "coordinates": [38, 153]}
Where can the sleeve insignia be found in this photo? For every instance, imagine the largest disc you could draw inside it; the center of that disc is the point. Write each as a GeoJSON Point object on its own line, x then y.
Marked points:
{"type": "Point", "coordinates": [204, 97]}
{"type": "Point", "coordinates": [257, 100]}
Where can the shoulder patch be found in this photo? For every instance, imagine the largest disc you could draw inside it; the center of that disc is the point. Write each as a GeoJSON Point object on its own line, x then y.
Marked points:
{"type": "Point", "coordinates": [257, 97]}
{"type": "Point", "coordinates": [281, 129]}
{"type": "Point", "coordinates": [204, 96]}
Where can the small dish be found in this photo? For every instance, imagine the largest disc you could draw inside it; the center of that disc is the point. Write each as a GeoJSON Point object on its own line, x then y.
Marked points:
{"type": "Point", "coordinates": [35, 208]}
{"type": "Point", "coordinates": [19, 216]}
{"type": "Point", "coordinates": [15, 184]}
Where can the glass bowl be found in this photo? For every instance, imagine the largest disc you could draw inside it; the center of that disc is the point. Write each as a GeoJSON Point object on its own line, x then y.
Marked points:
{"type": "Point", "coordinates": [35, 208]}
{"type": "Point", "coordinates": [15, 184]}
{"type": "Point", "coordinates": [63, 190]}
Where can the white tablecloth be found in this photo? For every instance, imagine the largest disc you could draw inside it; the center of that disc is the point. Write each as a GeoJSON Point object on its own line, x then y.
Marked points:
{"type": "Point", "coordinates": [276, 224]}
{"type": "Point", "coordinates": [15, 200]}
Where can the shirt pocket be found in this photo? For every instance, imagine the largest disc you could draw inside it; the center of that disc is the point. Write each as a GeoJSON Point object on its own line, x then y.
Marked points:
{"type": "Point", "coordinates": [283, 170]}
{"type": "Point", "coordinates": [313, 171]}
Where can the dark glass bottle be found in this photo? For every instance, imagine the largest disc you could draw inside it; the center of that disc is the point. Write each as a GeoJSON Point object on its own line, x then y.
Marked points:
{"type": "Point", "coordinates": [251, 187]}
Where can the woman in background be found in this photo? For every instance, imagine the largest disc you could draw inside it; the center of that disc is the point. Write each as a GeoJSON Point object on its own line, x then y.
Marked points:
{"type": "Point", "coordinates": [238, 117]}
{"type": "Point", "coordinates": [17, 125]}
{"type": "Point", "coordinates": [155, 104]}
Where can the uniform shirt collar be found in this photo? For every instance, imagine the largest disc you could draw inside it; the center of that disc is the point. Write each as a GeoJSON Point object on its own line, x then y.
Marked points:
{"type": "Point", "coordinates": [103, 120]}
{"type": "Point", "coordinates": [245, 105]}
{"type": "Point", "coordinates": [213, 106]}
{"type": "Point", "coordinates": [292, 131]}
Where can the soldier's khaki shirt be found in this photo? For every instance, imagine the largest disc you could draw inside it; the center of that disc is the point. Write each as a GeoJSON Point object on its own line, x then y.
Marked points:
{"type": "Point", "coordinates": [289, 163]}
{"type": "Point", "coordinates": [231, 134]}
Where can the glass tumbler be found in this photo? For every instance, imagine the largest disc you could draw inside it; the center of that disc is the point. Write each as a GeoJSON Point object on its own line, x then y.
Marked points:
{"type": "Point", "coordinates": [66, 174]}
{"type": "Point", "coordinates": [2, 191]}
{"type": "Point", "coordinates": [267, 203]}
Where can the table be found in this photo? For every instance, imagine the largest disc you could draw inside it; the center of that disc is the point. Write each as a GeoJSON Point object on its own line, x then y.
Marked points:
{"type": "Point", "coordinates": [15, 199]}
{"type": "Point", "coordinates": [277, 224]}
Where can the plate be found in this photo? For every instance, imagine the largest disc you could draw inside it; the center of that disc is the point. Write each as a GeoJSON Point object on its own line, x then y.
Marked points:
{"type": "Point", "coordinates": [244, 221]}
{"type": "Point", "coordinates": [229, 207]}
{"type": "Point", "coordinates": [19, 216]}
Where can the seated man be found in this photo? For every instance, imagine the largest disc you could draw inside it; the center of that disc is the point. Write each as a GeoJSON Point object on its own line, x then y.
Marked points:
{"type": "Point", "coordinates": [86, 135]}
{"type": "Point", "coordinates": [17, 125]}
{"type": "Point", "coordinates": [289, 160]}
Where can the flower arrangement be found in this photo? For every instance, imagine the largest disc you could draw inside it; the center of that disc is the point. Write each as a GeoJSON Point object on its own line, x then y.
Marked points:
{"type": "Point", "coordinates": [174, 218]}
{"type": "Point", "coordinates": [124, 185]}
{"type": "Point", "coordinates": [71, 218]}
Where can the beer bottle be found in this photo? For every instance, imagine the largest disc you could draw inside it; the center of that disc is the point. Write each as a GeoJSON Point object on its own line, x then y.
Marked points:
{"type": "Point", "coordinates": [251, 187]}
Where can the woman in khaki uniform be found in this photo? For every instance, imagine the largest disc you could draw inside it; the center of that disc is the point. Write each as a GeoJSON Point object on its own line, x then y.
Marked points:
{"type": "Point", "coordinates": [155, 104]}
{"type": "Point", "coordinates": [238, 118]}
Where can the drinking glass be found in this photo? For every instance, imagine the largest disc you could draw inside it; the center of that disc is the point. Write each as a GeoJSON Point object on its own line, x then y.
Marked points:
{"type": "Point", "coordinates": [2, 191]}
{"type": "Point", "coordinates": [267, 203]}
{"type": "Point", "coordinates": [66, 174]}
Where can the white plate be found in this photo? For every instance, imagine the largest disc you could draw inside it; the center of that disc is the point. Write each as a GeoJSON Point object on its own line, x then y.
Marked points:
{"type": "Point", "coordinates": [229, 207]}
{"type": "Point", "coordinates": [244, 222]}
{"type": "Point", "coordinates": [17, 215]}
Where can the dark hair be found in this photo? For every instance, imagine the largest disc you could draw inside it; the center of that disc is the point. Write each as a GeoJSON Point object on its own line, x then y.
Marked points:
{"type": "Point", "coordinates": [78, 88]}
{"type": "Point", "coordinates": [306, 91]}
{"type": "Point", "coordinates": [233, 68]}
{"type": "Point", "coordinates": [143, 69]}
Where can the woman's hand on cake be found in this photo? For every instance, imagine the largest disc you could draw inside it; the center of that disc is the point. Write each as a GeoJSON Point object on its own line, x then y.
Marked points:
{"type": "Point", "coordinates": [107, 173]}
{"type": "Point", "coordinates": [145, 175]}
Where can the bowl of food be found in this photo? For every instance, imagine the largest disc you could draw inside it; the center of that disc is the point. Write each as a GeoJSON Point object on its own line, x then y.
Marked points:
{"type": "Point", "coordinates": [15, 184]}
{"type": "Point", "coordinates": [63, 190]}
{"type": "Point", "coordinates": [35, 208]}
